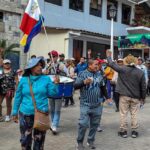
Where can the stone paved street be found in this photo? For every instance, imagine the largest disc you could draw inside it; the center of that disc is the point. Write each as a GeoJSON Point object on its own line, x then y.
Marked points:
{"type": "Point", "coordinates": [66, 140]}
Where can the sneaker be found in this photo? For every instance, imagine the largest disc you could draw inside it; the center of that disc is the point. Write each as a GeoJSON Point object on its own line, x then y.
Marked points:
{"type": "Point", "coordinates": [54, 130]}
{"type": "Point", "coordinates": [134, 134]}
{"type": "Point", "coordinates": [7, 119]}
{"type": "Point", "coordinates": [80, 146]}
{"type": "Point", "coordinates": [91, 145]}
{"type": "Point", "coordinates": [99, 129]}
{"type": "Point", "coordinates": [123, 134]}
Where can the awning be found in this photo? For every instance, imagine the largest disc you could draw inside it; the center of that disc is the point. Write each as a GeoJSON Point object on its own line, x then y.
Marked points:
{"type": "Point", "coordinates": [134, 41]}
{"type": "Point", "coordinates": [138, 30]}
{"type": "Point", "coordinates": [138, 1]}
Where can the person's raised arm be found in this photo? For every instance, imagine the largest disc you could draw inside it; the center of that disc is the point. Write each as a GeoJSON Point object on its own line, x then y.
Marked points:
{"type": "Point", "coordinates": [112, 64]}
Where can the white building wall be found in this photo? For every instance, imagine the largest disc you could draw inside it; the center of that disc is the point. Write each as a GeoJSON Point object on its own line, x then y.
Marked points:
{"type": "Point", "coordinates": [56, 41]}
{"type": "Point", "coordinates": [63, 17]}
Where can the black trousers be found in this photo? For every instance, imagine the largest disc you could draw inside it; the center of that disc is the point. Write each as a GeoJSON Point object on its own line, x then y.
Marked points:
{"type": "Point", "coordinates": [116, 97]}
{"type": "Point", "coordinates": [67, 99]}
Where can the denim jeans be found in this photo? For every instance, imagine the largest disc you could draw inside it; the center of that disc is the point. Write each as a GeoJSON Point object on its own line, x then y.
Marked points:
{"type": "Point", "coordinates": [55, 110]}
{"type": "Point", "coordinates": [89, 117]}
{"type": "Point", "coordinates": [108, 88]}
{"type": "Point", "coordinates": [101, 112]}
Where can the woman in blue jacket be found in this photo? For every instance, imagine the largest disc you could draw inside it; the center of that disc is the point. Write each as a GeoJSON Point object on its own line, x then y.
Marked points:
{"type": "Point", "coordinates": [23, 106]}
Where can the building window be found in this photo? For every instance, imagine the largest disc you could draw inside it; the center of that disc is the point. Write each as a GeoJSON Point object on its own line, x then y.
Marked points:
{"type": "Point", "coordinates": [76, 5]}
{"type": "Point", "coordinates": [56, 2]}
{"type": "Point", "coordinates": [109, 3]}
{"type": "Point", "coordinates": [96, 7]}
{"type": "Point", "coordinates": [77, 49]}
{"type": "Point", "coordinates": [126, 14]}
{"type": "Point", "coordinates": [1, 16]}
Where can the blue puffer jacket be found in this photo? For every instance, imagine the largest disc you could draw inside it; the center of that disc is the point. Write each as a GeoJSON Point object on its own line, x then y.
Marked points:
{"type": "Point", "coordinates": [42, 88]}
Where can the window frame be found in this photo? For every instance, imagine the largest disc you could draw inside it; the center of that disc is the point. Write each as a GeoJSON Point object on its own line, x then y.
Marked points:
{"type": "Point", "coordinates": [96, 12]}
{"type": "Point", "coordinates": [123, 21]}
{"type": "Point", "coordinates": [53, 2]}
{"type": "Point", "coordinates": [108, 6]}
{"type": "Point", "coordinates": [76, 9]}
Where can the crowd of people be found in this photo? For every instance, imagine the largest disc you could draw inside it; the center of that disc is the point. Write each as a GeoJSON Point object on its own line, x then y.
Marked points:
{"type": "Point", "coordinates": [124, 82]}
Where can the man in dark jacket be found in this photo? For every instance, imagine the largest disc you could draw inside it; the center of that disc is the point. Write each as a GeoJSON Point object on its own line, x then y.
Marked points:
{"type": "Point", "coordinates": [131, 86]}
{"type": "Point", "coordinates": [89, 82]}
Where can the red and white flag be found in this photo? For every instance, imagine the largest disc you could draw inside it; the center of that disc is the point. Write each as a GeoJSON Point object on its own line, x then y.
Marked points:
{"type": "Point", "coordinates": [30, 17]}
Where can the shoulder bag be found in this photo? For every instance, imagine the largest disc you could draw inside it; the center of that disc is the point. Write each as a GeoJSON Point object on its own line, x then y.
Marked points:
{"type": "Point", "coordinates": [41, 119]}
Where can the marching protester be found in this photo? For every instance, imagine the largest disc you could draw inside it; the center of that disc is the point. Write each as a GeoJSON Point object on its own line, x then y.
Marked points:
{"type": "Point", "coordinates": [7, 88]}
{"type": "Point", "coordinates": [142, 67]}
{"type": "Point", "coordinates": [56, 101]}
{"type": "Point", "coordinates": [109, 74]}
{"type": "Point", "coordinates": [81, 66]}
{"type": "Point", "coordinates": [54, 66]}
{"type": "Point", "coordinates": [114, 82]}
{"type": "Point", "coordinates": [42, 88]}
{"type": "Point", "coordinates": [70, 73]}
{"type": "Point", "coordinates": [62, 58]}
{"type": "Point", "coordinates": [148, 72]}
{"type": "Point", "coordinates": [103, 90]}
{"type": "Point", "coordinates": [19, 76]}
{"type": "Point", "coordinates": [131, 86]}
{"type": "Point", "coordinates": [89, 82]}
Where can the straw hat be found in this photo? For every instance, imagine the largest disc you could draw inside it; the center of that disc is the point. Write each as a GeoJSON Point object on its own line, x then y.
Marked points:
{"type": "Point", "coordinates": [130, 60]}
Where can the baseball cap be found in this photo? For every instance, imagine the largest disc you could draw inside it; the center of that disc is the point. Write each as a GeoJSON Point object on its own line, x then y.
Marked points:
{"type": "Point", "coordinates": [5, 61]}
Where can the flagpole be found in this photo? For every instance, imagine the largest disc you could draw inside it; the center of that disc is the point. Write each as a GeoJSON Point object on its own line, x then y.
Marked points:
{"type": "Point", "coordinates": [46, 37]}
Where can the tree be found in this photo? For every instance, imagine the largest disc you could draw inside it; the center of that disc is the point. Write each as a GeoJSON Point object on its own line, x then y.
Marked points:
{"type": "Point", "coordinates": [4, 50]}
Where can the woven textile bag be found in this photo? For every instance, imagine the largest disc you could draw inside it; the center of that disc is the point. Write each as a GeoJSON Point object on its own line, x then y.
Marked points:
{"type": "Point", "coordinates": [41, 119]}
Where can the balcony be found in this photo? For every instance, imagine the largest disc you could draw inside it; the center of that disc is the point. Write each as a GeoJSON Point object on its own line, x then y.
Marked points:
{"type": "Point", "coordinates": [2, 26]}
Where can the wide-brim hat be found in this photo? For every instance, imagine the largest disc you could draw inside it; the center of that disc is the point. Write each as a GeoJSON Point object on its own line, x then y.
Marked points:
{"type": "Point", "coordinates": [130, 60]}
{"type": "Point", "coordinates": [34, 61]}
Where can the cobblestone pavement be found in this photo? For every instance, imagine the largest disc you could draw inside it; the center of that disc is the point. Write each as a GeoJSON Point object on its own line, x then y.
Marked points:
{"type": "Point", "coordinates": [66, 140]}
